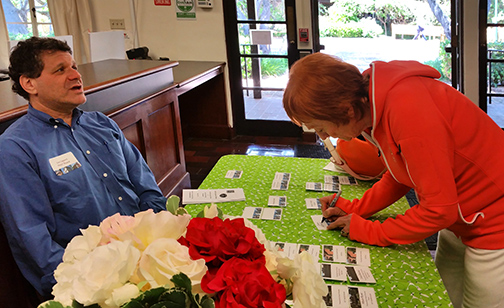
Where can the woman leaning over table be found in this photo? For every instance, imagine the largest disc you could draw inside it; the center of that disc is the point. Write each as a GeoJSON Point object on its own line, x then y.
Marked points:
{"type": "Point", "coordinates": [431, 138]}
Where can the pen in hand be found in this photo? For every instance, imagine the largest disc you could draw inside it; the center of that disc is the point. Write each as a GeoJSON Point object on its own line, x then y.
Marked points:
{"type": "Point", "coordinates": [332, 204]}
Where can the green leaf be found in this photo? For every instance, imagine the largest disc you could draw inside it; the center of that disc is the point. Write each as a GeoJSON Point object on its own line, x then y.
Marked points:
{"type": "Point", "coordinates": [207, 302]}
{"type": "Point", "coordinates": [52, 304]}
{"type": "Point", "coordinates": [175, 297]}
{"type": "Point", "coordinates": [133, 304]}
{"type": "Point", "coordinates": [150, 297]}
{"type": "Point", "coordinates": [172, 204]}
{"type": "Point", "coordinates": [76, 304]}
{"type": "Point", "coordinates": [181, 280]}
{"type": "Point", "coordinates": [167, 305]}
{"type": "Point", "coordinates": [181, 211]}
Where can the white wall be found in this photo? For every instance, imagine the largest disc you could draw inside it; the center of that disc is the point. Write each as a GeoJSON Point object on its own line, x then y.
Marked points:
{"type": "Point", "coordinates": [166, 36]}
{"type": "Point", "coordinates": [202, 39]}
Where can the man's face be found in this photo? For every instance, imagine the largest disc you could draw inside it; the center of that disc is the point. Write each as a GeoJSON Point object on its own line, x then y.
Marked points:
{"type": "Point", "coordinates": [59, 87]}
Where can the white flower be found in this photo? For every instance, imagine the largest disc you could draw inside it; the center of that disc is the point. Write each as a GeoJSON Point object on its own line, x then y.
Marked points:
{"type": "Point", "coordinates": [211, 212]}
{"type": "Point", "coordinates": [115, 227]}
{"type": "Point", "coordinates": [81, 245]}
{"type": "Point", "coordinates": [150, 226]}
{"type": "Point", "coordinates": [166, 257]}
{"type": "Point", "coordinates": [309, 286]}
{"type": "Point", "coordinates": [286, 268]}
{"type": "Point", "coordinates": [62, 290]}
{"type": "Point", "coordinates": [122, 295]}
{"type": "Point", "coordinates": [93, 279]}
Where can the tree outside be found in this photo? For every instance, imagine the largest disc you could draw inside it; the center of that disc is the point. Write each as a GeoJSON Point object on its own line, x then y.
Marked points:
{"type": "Point", "coordinates": [20, 20]}
{"type": "Point", "coordinates": [362, 31]}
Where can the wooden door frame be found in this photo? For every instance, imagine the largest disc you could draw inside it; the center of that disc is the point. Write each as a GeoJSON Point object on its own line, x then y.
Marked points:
{"type": "Point", "coordinates": [242, 126]}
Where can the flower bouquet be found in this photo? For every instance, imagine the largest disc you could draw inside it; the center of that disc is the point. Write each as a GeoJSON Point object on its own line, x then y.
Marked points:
{"type": "Point", "coordinates": [169, 259]}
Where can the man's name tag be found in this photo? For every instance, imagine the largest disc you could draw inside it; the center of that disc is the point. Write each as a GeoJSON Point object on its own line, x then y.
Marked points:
{"type": "Point", "coordinates": [64, 163]}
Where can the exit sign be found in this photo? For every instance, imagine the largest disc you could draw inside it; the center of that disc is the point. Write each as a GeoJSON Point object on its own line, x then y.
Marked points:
{"type": "Point", "coordinates": [162, 2]}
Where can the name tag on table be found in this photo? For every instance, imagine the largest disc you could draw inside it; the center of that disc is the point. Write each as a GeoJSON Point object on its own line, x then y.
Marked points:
{"type": "Point", "coordinates": [193, 196]}
{"type": "Point", "coordinates": [64, 163]}
{"type": "Point", "coordinates": [340, 296]}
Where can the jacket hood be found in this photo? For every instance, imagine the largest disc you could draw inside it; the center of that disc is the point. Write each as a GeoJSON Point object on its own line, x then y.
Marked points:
{"type": "Point", "coordinates": [385, 75]}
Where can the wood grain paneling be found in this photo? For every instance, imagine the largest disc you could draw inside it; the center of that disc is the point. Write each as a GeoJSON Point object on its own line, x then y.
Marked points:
{"type": "Point", "coordinates": [153, 126]}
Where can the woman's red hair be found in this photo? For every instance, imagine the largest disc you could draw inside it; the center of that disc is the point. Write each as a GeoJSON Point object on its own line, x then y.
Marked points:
{"type": "Point", "coordinates": [324, 87]}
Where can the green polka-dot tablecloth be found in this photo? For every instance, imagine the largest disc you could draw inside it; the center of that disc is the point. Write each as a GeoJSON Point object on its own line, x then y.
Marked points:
{"type": "Point", "coordinates": [405, 274]}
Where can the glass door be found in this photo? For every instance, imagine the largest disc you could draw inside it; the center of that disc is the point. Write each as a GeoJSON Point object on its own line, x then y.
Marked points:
{"type": "Point", "coordinates": [492, 59]}
{"type": "Point", "coordinates": [366, 31]}
{"type": "Point", "coordinates": [262, 45]}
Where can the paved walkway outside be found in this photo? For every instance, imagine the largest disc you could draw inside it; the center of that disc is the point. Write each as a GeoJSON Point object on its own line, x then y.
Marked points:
{"type": "Point", "coordinates": [358, 51]}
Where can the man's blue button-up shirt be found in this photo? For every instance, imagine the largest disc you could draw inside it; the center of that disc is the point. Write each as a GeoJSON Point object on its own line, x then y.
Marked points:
{"type": "Point", "coordinates": [56, 179]}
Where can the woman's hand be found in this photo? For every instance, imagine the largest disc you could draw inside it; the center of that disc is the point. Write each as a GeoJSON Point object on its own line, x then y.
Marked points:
{"type": "Point", "coordinates": [342, 223]}
{"type": "Point", "coordinates": [331, 213]}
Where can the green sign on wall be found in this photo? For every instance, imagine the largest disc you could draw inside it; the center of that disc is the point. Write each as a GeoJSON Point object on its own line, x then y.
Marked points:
{"type": "Point", "coordinates": [186, 9]}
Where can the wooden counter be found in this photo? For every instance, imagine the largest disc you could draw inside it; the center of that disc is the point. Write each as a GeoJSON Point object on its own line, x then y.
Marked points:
{"type": "Point", "coordinates": [201, 92]}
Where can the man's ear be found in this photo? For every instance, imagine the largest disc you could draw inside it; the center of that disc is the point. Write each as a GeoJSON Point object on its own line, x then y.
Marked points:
{"type": "Point", "coordinates": [28, 84]}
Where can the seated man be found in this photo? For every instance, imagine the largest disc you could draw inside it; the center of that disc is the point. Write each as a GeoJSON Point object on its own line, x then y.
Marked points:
{"type": "Point", "coordinates": [62, 169]}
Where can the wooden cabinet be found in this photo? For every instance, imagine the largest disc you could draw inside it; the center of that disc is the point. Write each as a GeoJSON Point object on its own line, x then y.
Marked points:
{"type": "Point", "coordinates": [153, 126]}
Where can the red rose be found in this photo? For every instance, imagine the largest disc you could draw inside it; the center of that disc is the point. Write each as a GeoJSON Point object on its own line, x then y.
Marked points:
{"type": "Point", "coordinates": [245, 284]}
{"type": "Point", "coordinates": [217, 241]}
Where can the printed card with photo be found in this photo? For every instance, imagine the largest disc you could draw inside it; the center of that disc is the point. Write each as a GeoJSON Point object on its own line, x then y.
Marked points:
{"type": "Point", "coordinates": [271, 214]}
{"type": "Point", "coordinates": [314, 186]}
{"type": "Point", "coordinates": [281, 181]}
{"type": "Point", "coordinates": [337, 296]}
{"type": "Point", "coordinates": [331, 179]}
{"type": "Point", "coordinates": [332, 271]}
{"type": "Point", "coordinates": [251, 212]}
{"type": "Point", "coordinates": [277, 201]}
{"type": "Point", "coordinates": [313, 204]}
{"type": "Point", "coordinates": [290, 249]}
{"type": "Point", "coordinates": [234, 174]}
{"type": "Point", "coordinates": [332, 187]}
{"type": "Point", "coordinates": [319, 222]}
{"type": "Point", "coordinates": [358, 256]}
{"type": "Point", "coordinates": [348, 180]}
{"type": "Point", "coordinates": [360, 274]}
{"type": "Point", "coordinates": [332, 253]}
{"type": "Point", "coordinates": [313, 250]}
{"type": "Point", "coordinates": [362, 297]}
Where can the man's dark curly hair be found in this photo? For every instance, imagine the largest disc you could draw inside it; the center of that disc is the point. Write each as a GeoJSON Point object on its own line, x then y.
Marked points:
{"type": "Point", "coordinates": [26, 59]}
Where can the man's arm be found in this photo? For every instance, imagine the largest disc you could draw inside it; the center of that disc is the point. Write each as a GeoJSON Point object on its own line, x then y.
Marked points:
{"type": "Point", "coordinates": [27, 217]}
{"type": "Point", "coordinates": [141, 176]}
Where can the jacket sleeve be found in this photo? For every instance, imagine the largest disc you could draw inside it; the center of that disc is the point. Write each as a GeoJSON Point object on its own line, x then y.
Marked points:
{"type": "Point", "coordinates": [383, 193]}
{"type": "Point", "coordinates": [28, 219]}
{"type": "Point", "coordinates": [141, 176]}
{"type": "Point", "coordinates": [426, 147]}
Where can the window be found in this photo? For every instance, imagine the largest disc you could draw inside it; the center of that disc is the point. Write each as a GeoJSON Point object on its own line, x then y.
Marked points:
{"type": "Point", "coordinates": [492, 59]}
{"type": "Point", "coordinates": [27, 18]}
